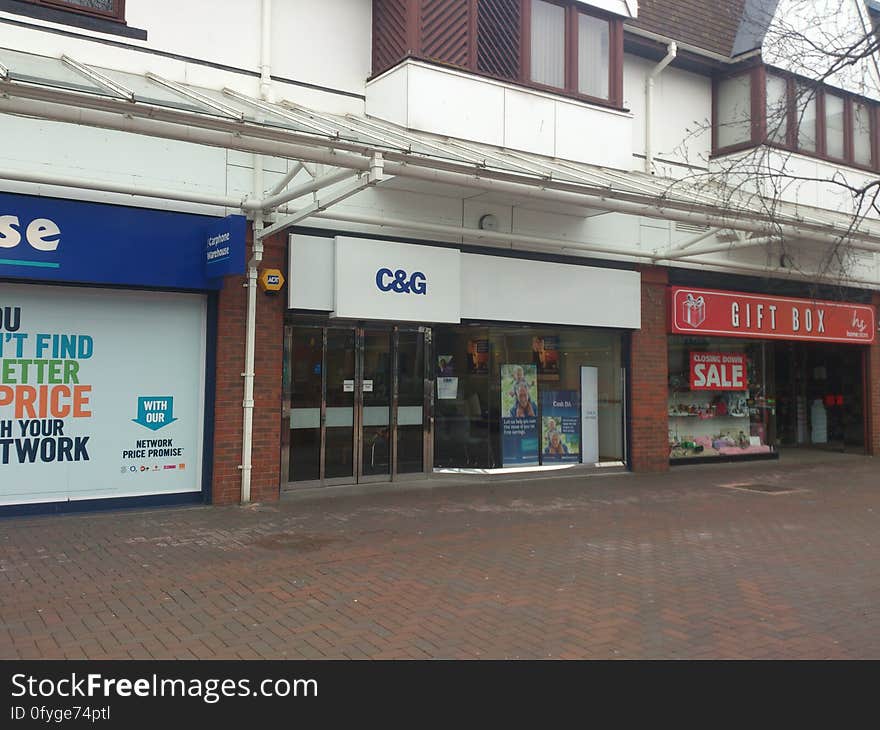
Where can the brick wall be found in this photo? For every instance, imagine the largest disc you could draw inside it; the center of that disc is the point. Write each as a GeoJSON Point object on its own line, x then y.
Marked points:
{"type": "Point", "coordinates": [649, 377]}
{"type": "Point", "coordinates": [872, 394]}
{"type": "Point", "coordinates": [231, 327]}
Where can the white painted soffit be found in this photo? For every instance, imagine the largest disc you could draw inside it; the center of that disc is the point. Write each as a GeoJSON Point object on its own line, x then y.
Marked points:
{"type": "Point", "coordinates": [55, 89]}
{"type": "Point", "coordinates": [624, 8]}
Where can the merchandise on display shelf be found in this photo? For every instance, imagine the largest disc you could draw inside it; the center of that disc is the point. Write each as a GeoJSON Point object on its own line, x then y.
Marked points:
{"type": "Point", "coordinates": [716, 409]}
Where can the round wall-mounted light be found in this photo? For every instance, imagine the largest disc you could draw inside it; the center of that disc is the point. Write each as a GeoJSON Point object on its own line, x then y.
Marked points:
{"type": "Point", "coordinates": [488, 222]}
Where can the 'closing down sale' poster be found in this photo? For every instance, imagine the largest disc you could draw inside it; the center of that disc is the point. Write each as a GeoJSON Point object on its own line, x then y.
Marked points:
{"type": "Point", "coordinates": [101, 393]}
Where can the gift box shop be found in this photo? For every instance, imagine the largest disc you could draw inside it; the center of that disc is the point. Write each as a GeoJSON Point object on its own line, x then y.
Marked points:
{"type": "Point", "coordinates": [751, 374]}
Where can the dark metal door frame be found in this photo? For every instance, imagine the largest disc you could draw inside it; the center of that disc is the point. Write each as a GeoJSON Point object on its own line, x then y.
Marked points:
{"type": "Point", "coordinates": [358, 477]}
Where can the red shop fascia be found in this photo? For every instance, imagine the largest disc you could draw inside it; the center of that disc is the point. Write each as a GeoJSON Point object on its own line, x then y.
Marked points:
{"type": "Point", "coordinates": [715, 313]}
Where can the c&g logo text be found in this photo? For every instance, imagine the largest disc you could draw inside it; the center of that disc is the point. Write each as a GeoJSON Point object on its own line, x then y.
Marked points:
{"type": "Point", "coordinates": [400, 282]}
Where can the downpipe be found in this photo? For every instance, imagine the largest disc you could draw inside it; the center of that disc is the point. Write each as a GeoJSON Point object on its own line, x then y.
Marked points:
{"type": "Point", "coordinates": [247, 439]}
{"type": "Point", "coordinates": [247, 433]}
{"type": "Point", "coordinates": [671, 53]}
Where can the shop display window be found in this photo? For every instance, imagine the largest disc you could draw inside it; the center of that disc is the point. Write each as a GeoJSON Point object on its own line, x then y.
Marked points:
{"type": "Point", "coordinates": [721, 398]}
{"type": "Point", "coordinates": [480, 373]}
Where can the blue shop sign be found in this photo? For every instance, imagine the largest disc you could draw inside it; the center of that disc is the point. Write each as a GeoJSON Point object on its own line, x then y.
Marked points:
{"type": "Point", "coordinates": [95, 243]}
{"type": "Point", "coordinates": [224, 250]}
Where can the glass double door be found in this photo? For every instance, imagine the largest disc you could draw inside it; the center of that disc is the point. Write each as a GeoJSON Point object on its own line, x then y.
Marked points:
{"type": "Point", "coordinates": [356, 403]}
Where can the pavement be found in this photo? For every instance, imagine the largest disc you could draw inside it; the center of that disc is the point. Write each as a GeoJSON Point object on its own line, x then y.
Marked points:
{"type": "Point", "coordinates": [758, 560]}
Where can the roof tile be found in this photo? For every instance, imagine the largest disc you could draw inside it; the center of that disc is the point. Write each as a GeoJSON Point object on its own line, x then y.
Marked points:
{"type": "Point", "coordinates": [706, 24]}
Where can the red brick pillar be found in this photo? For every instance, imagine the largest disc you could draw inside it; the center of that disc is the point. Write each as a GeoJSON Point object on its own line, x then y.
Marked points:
{"type": "Point", "coordinates": [228, 414]}
{"type": "Point", "coordinates": [872, 393]}
{"type": "Point", "coordinates": [649, 377]}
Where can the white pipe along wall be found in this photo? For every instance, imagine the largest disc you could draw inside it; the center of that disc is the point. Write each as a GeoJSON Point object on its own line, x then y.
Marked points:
{"type": "Point", "coordinates": [671, 53]}
{"type": "Point", "coordinates": [247, 432]}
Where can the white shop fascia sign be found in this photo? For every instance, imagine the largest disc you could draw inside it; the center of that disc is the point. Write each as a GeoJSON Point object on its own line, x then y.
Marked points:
{"type": "Point", "coordinates": [385, 280]}
{"type": "Point", "coordinates": [359, 278]}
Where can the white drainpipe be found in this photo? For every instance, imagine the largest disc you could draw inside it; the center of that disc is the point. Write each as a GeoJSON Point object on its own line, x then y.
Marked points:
{"type": "Point", "coordinates": [247, 439]}
{"type": "Point", "coordinates": [266, 53]}
{"type": "Point", "coordinates": [247, 432]}
{"type": "Point", "coordinates": [671, 52]}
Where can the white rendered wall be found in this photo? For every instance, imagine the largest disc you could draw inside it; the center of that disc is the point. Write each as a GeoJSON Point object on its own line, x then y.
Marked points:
{"type": "Point", "coordinates": [324, 48]}
{"type": "Point", "coordinates": [452, 103]}
{"type": "Point", "coordinates": [682, 114]}
{"type": "Point", "coordinates": [97, 155]}
{"type": "Point", "coordinates": [797, 179]}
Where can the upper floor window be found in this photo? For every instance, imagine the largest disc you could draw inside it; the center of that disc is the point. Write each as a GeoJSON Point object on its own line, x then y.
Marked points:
{"type": "Point", "coordinates": [554, 45]}
{"type": "Point", "coordinates": [109, 9]}
{"type": "Point", "coordinates": [764, 106]}
{"type": "Point", "coordinates": [570, 49]}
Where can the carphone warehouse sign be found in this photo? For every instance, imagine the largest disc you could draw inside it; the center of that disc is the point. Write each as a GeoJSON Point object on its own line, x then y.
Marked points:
{"type": "Point", "coordinates": [101, 393]}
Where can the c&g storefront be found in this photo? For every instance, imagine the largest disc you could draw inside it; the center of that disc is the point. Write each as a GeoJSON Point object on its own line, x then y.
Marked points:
{"type": "Point", "coordinates": [752, 374]}
{"type": "Point", "coordinates": [106, 353]}
{"type": "Point", "coordinates": [405, 359]}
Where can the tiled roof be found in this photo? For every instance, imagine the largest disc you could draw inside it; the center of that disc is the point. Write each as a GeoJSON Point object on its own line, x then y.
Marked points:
{"type": "Point", "coordinates": [711, 25]}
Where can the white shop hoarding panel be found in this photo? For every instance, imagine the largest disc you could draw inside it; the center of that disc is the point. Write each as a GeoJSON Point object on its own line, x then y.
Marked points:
{"type": "Point", "coordinates": [101, 393]}
{"type": "Point", "coordinates": [519, 290]}
{"type": "Point", "coordinates": [396, 281]}
{"type": "Point", "coordinates": [310, 273]}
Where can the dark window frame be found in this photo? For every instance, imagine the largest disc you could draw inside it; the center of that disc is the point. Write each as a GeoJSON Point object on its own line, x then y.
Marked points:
{"type": "Point", "coordinates": [571, 89]}
{"type": "Point", "coordinates": [117, 15]}
{"type": "Point", "coordinates": [759, 136]}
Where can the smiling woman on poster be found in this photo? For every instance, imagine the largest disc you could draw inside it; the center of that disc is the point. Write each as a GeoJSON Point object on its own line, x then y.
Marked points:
{"type": "Point", "coordinates": [523, 405]}
{"type": "Point", "coordinates": [556, 446]}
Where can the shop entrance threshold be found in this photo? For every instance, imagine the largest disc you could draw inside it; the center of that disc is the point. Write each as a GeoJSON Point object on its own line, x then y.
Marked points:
{"type": "Point", "coordinates": [525, 470]}
{"type": "Point", "coordinates": [460, 477]}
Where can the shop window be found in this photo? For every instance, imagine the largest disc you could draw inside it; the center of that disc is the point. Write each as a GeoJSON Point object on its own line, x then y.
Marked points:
{"type": "Point", "coordinates": [510, 396]}
{"type": "Point", "coordinates": [721, 398]}
{"type": "Point", "coordinates": [109, 9]}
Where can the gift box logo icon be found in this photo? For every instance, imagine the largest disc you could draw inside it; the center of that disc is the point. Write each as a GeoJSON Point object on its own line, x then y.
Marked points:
{"type": "Point", "coordinates": [693, 310]}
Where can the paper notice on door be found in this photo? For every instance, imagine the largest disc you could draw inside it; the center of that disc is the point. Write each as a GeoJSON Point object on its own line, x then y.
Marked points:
{"type": "Point", "coordinates": [348, 386]}
{"type": "Point", "coordinates": [368, 386]}
{"type": "Point", "coordinates": [447, 388]}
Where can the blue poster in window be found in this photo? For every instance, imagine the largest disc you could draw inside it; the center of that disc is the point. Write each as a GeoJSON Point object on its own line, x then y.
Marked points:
{"type": "Point", "coordinates": [519, 415]}
{"type": "Point", "coordinates": [560, 426]}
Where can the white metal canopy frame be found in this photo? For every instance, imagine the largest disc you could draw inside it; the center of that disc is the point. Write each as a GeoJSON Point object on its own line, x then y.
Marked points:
{"type": "Point", "coordinates": [366, 150]}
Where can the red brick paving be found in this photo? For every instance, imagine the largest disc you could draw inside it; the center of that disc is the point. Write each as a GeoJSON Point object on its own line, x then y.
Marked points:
{"type": "Point", "coordinates": [632, 566]}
